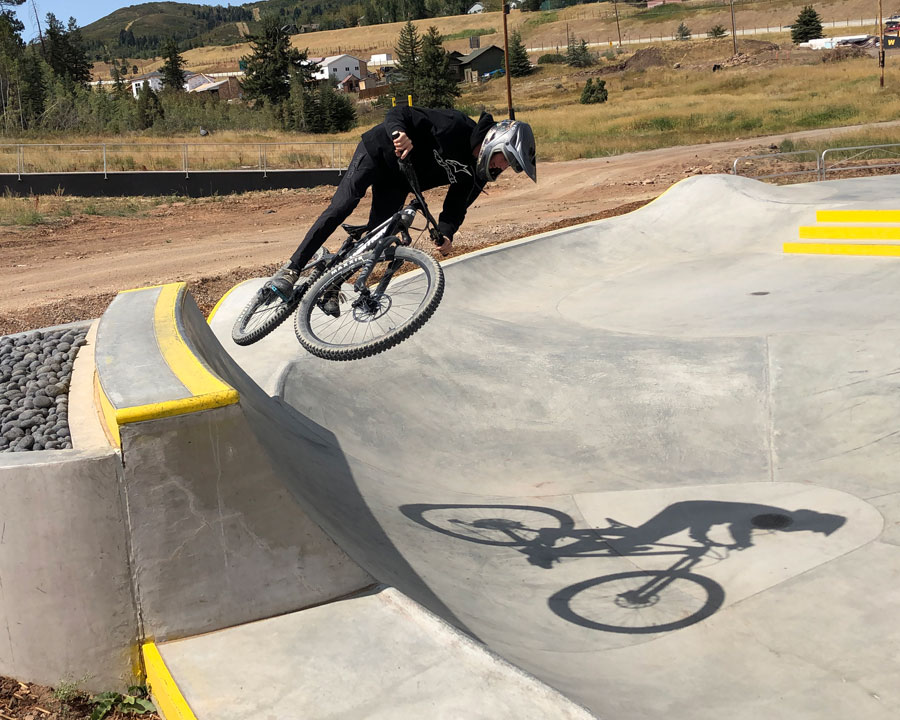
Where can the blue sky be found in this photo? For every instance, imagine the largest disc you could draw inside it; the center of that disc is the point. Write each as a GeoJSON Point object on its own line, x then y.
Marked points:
{"type": "Point", "coordinates": [84, 11]}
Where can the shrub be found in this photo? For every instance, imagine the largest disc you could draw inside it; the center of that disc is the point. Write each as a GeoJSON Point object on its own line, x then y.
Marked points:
{"type": "Point", "coordinates": [716, 31]}
{"type": "Point", "coordinates": [552, 59]}
{"type": "Point", "coordinates": [594, 92]}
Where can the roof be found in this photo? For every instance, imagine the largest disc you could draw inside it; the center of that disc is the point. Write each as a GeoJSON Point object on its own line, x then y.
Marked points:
{"type": "Point", "coordinates": [465, 60]}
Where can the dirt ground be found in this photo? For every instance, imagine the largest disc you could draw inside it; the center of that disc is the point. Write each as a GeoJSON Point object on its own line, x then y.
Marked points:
{"type": "Point", "coordinates": [27, 701]}
{"type": "Point", "coordinates": [72, 269]}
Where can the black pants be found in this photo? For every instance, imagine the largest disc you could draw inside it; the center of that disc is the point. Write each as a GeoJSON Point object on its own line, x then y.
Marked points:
{"type": "Point", "coordinates": [389, 191]}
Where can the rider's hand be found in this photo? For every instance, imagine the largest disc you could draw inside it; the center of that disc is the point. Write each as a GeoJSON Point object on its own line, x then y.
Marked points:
{"type": "Point", "coordinates": [446, 246]}
{"type": "Point", "coordinates": [402, 144]}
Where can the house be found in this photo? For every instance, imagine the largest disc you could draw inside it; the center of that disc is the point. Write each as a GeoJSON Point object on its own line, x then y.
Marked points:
{"type": "Point", "coordinates": [222, 88]}
{"type": "Point", "coordinates": [153, 79]}
{"type": "Point", "coordinates": [349, 84]}
{"type": "Point", "coordinates": [336, 67]}
{"type": "Point", "coordinates": [481, 61]}
{"type": "Point", "coordinates": [381, 59]}
{"type": "Point", "coordinates": [455, 57]}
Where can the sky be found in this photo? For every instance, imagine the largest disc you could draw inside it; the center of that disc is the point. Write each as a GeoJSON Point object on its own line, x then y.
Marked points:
{"type": "Point", "coordinates": [84, 11]}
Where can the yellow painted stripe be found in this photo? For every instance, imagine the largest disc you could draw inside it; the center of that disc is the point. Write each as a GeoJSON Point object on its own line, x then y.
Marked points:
{"type": "Point", "coordinates": [108, 412]}
{"type": "Point", "coordinates": [855, 216]}
{"type": "Point", "coordinates": [842, 249]}
{"type": "Point", "coordinates": [175, 351]}
{"type": "Point", "coordinates": [170, 408]}
{"type": "Point", "coordinates": [212, 314]}
{"type": "Point", "coordinates": [848, 232]}
{"type": "Point", "coordinates": [163, 688]}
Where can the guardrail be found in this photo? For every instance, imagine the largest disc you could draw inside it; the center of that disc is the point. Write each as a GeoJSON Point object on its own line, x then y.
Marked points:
{"type": "Point", "coordinates": [109, 158]}
{"type": "Point", "coordinates": [822, 166]}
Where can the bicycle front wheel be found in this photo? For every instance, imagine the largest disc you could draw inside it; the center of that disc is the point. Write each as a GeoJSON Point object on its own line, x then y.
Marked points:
{"type": "Point", "coordinates": [639, 602]}
{"type": "Point", "coordinates": [391, 305]}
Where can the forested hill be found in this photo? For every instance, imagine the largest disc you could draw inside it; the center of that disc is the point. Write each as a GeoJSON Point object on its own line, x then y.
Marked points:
{"type": "Point", "coordinates": [142, 30]}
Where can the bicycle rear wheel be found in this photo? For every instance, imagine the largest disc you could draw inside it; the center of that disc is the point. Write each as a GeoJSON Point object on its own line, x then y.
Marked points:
{"type": "Point", "coordinates": [267, 310]}
{"type": "Point", "coordinates": [388, 309]}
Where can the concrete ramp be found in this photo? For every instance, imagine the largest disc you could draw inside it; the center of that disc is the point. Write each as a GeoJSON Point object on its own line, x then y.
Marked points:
{"type": "Point", "coordinates": [650, 460]}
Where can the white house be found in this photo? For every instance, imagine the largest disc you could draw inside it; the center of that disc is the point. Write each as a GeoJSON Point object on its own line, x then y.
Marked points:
{"type": "Point", "coordinates": [337, 67]}
{"type": "Point", "coordinates": [381, 59]}
{"type": "Point", "coordinates": [476, 8]}
{"type": "Point", "coordinates": [153, 79]}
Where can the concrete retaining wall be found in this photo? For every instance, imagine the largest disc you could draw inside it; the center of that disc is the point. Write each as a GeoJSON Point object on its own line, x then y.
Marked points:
{"type": "Point", "coordinates": [194, 184]}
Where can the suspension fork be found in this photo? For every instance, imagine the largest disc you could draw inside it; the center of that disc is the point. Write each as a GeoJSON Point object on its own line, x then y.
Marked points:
{"type": "Point", "coordinates": [384, 247]}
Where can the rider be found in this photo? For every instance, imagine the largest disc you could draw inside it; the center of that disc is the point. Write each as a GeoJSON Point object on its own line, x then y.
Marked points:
{"type": "Point", "coordinates": [452, 149]}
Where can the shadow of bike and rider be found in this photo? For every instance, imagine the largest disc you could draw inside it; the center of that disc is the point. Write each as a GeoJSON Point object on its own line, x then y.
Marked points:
{"type": "Point", "coordinates": [639, 601]}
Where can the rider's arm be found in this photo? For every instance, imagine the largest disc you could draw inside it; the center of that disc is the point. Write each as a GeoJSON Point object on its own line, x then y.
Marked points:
{"type": "Point", "coordinates": [459, 196]}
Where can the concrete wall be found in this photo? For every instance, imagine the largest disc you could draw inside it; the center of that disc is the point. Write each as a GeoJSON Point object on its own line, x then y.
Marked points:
{"type": "Point", "coordinates": [194, 184]}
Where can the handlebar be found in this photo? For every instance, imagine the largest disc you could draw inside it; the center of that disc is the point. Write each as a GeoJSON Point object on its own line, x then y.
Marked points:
{"type": "Point", "coordinates": [407, 169]}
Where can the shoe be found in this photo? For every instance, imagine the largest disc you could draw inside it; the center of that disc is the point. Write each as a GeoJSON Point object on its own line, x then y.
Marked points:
{"type": "Point", "coordinates": [331, 301]}
{"type": "Point", "coordinates": [282, 282]}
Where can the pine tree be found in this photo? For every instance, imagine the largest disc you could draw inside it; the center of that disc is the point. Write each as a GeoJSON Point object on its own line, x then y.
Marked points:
{"type": "Point", "coordinates": [594, 93]}
{"type": "Point", "coordinates": [436, 88]}
{"type": "Point", "coordinates": [808, 25]}
{"type": "Point", "coordinates": [173, 67]}
{"type": "Point", "coordinates": [683, 32]}
{"type": "Point", "coordinates": [32, 89]}
{"type": "Point", "coordinates": [149, 108]}
{"type": "Point", "coordinates": [716, 31]}
{"type": "Point", "coordinates": [64, 53]}
{"type": "Point", "coordinates": [577, 54]}
{"type": "Point", "coordinates": [272, 63]}
{"type": "Point", "coordinates": [409, 61]}
{"type": "Point", "coordinates": [519, 64]}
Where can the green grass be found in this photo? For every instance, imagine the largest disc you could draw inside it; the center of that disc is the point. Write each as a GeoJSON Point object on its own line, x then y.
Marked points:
{"type": "Point", "coordinates": [474, 32]}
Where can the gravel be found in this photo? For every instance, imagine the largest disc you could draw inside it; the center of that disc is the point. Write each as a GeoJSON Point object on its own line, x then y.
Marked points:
{"type": "Point", "coordinates": [35, 372]}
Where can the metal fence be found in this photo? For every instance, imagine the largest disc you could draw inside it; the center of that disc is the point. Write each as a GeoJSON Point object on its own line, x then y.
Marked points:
{"type": "Point", "coordinates": [110, 158]}
{"type": "Point", "coordinates": [810, 162]}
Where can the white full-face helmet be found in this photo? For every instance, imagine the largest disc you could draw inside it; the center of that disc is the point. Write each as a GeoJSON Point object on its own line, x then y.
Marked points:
{"type": "Point", "coordinates": [515, 140]}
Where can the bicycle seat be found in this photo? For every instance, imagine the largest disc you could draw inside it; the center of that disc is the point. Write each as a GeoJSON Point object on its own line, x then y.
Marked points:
{"type": "Point", "coordinates": [355, 231]}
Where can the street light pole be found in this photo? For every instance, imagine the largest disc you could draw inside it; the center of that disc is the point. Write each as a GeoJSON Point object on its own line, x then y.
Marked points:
{"type": "Point", "coordinates": [512, 113]}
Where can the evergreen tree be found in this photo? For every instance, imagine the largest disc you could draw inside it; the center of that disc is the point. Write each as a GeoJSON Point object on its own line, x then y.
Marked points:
{"type": "Point", "coordinates": [272, 63]}
{"type": "Point", "coordinates": [519, 64]}
{"type": "Point", "coordinates": [409, 60]}
{"type": "Point", "coordinates": [594, 92]}
{"type": "Point", "coordinates": [173, 67]}
{"type": "Point", "coordinates": [64, 52]}
{"type": "Point", "coordinates": [808, 25]}
{"type": "Point", "coordinates": [683, 32]}
{"type": "Point", "coordinates": [577, 54]}
{"type": "Point", "coordinates": [32, 89]}
{"type": "Point", "coordinates": [149, 108]}
{"type": "Point", "coordinates": [716, 31]}
{"type": "Point", "coordinates": [435, 87]}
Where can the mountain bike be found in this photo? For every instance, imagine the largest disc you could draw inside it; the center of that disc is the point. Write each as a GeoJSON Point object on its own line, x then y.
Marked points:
{"type": "Point", "coordinates": [380, 300]}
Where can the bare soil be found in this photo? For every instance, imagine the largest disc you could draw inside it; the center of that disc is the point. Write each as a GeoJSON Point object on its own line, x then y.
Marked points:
{"type": "Point", "coordinates": [70, 270]}
{"type": "Point", "coordinates": [27, 701]}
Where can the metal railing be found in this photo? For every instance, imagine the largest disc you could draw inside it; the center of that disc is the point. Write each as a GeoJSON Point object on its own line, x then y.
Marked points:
{"type": "Point", "coordinates": [110, 158]}
{"type": "Point", "coordinates": [889, 157]}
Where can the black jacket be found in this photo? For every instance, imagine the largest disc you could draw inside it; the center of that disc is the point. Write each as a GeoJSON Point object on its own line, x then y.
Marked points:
{"type": "Point", "coordinates": [443, 144]}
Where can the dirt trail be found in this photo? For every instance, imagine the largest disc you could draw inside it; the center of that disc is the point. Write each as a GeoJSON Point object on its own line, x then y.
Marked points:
{"type": "Point", "coordinates": [71, 270]}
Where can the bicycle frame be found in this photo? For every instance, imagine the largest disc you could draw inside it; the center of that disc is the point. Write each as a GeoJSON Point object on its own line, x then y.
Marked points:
{"type": "Point", "coordinates": [378, 240]}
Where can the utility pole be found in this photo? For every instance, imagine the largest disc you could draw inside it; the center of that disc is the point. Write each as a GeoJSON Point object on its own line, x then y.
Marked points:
{"type": "Point", "coordinates": [512, 113]}
{"type": "Point", "coordinates": [881, 42]}
{"type": "Point", "coordinates": [618, 29]}
{"type": "Point", "coordinates": [733, 31]}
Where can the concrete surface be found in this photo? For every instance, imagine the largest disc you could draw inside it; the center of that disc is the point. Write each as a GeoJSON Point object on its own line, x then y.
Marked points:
{"type": "Point", "coordinates": [66, 603]}
{"type": "Point", "coordinates": [378, 655]}
{"type": "Point", "coordinates": [650, 460]}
